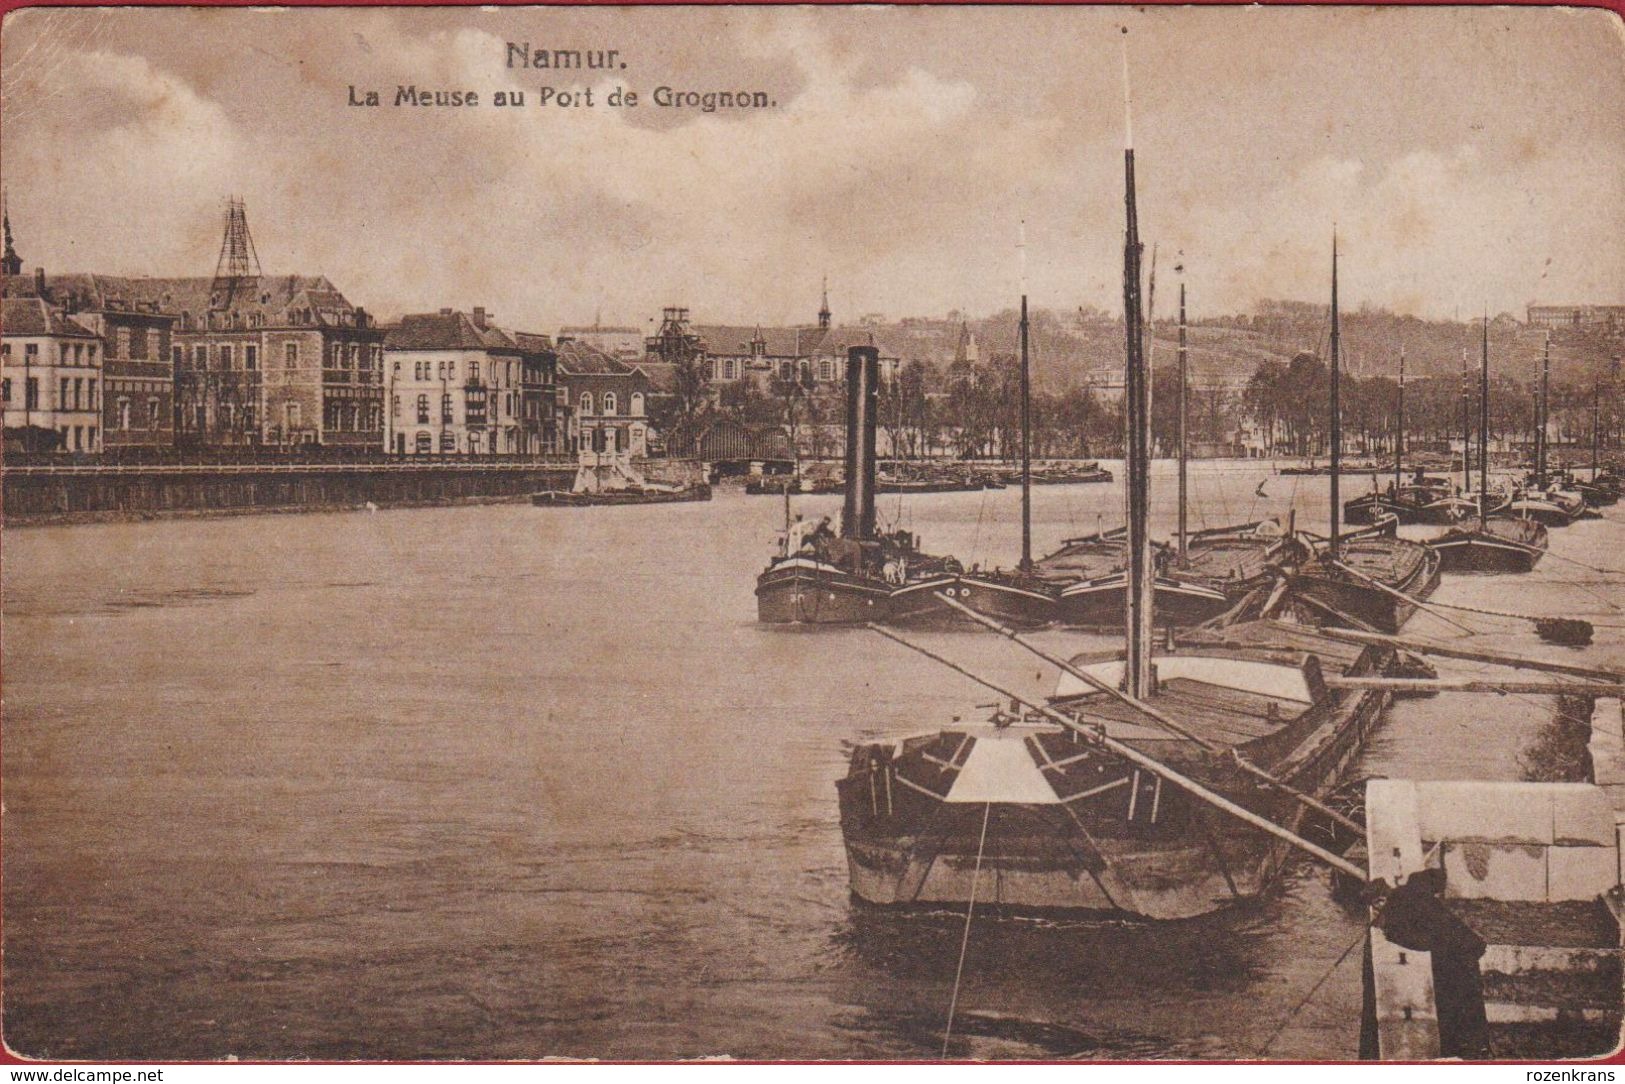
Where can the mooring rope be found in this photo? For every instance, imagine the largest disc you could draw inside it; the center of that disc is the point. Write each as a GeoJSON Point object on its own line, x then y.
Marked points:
{"type": "Point", "coordinates": [964, 941]}
{"type": "Point", "coordinates": [1296, 1009]}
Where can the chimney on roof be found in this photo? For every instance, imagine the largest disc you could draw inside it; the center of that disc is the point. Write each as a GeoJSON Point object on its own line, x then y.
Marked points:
{"type": "Point", "coordinates": [479, 317]}
{"type": "Point", "coordinates": [39, 285]}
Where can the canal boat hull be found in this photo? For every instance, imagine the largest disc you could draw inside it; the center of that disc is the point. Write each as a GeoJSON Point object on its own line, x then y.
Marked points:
{"type": "Point", "coordinates": [1008, 598]}
{"type": "Point", "coordinates": [804, 590]}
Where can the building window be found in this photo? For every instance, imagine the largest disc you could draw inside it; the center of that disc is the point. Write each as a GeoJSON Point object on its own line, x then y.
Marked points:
{"type": "Point", "coordinates": [251, 357]}
{"type": "Point", "coordinates": [728, 369]}
{"type": "Point", "coordinates": [225, 357]}
{"type": "Point", "coordinates": [424, 443]}
{"type": "Point", "coordinates": [5, 389]}
{"type": "Point", "coordinates": [5, 351]}
{"type": "Point", "coordinates": [354, 361]}
{"type": "Point", "coordinates": [290, 355]}
{"type": "Point", "coordinates": [611, 403]}
{"type": "Point", "coordinates": [78, 438]}
{"type": "Point", "coordinates": [448, 442]}
{"type": "Point", "coordinates": [826, 369]}
{"type": "Point", "coordinates": [586, 403]}
{"type": "Point", "coordinates": [445, 407]}
{"type": "Point", "coordinates": [177, 356]}
{"type": "Point", "coordinates": [395, 407]}
{"type": "Point", "coordinates": [423, 410]}
{"type": "Point", "coordinates": [31, 394]}
{"type": "Point", "coordinates": [153, 417]}
{"type": "Point", "coordinates": [62, 394]}
{"type": "Point", "coordinates": [31, 353]}
{"type": "Point", "coordinates": [397, 370]}
{"type": "Point", "coordinates": [123, 413]}
{"type": "Point", "coordinates": [200, 357]}
{"type": "Point", "coordinates": [139, 344]}
{"type": "Point", "coordinates": [637, 403]}
{"type": "Point", "coordinates": [473, 372]}
{"type": "Point", "coordinates": [121, 342]}
{"type": "Point", "coordinates": [90, 438]}
{"type": "Point", "coordinates": [291, 412]}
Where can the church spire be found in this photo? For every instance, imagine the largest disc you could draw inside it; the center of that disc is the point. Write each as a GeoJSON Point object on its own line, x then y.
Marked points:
{"type": "Point", "coordinates": [823, 310]}
{"type": "Point", "coordinates": [10, 262]}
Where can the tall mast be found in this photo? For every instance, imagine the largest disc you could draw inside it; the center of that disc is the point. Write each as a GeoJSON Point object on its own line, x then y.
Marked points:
{"type": "Point", "coordinates": [1541, 414]}
{"type": "Point", "coordinates": [1484, 427]}
{"type": "Point", "coordinates": [1184, 454]}
{"type": "Point", "coordinates": [1596, 416]}
{"type": "Point", "coordinates": [1466, 429]}
{"type": "Point", "coordinates": [1399, 428]}
{"type": "Point", "coordinates": [1337, 421]}
{"type": "Point", "coordinates": [1137, 426]}
{"type": "Point", "coordinates": [1026, 423]}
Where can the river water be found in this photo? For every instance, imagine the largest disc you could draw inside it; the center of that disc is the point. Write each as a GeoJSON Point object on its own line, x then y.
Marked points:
{"type": "Point", "coordinates": [506, 782]}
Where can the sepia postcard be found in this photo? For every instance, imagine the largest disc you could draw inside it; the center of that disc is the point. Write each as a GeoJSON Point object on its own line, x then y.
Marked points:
{"type": "Point", "coordinates": [812, 534]}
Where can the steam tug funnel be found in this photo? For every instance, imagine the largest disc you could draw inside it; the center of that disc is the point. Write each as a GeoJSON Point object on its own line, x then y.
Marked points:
{"type": "Point", "coordinates": [862, 398]}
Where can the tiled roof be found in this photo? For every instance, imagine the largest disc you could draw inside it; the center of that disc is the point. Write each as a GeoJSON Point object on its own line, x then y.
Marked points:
{"type": "Point", "coordinates": [578, 359]}
{"type": "Point", "coordinates": [272, 297]}
{"type": "Point", "coordinates": [532, 343]}
{"type": "Point", "coordinates": [446, 331]}
{"type": "Point", "coordinates": [31, 316]}
{"type": "Point", "coordinates": [783, 342]}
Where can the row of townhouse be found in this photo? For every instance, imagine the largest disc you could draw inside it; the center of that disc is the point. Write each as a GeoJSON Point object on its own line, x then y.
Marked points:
{"type": "Point", "coordinates": [104, 372]}
{"type": "Point", "coordinates": [97, 362]}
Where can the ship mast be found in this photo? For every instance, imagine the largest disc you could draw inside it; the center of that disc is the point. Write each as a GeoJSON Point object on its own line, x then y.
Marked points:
{"type": "Point", "coordinates": [1337, 426]}
{"type": "Point", "coordinates": [1541, 414]}
{"type": "Point", "coordinates": [1026, 423]}
{"type": "Point", "coordinates": [1137, 430]}
{"type": "Point", "coordinates": [1399, 428]}
{"type": "Point", "coordinates": [1184, 454]}
{"type": "Point", "coordinates": [1596, 417]}
{"type": "Point", "coordinates": [1466, 430]}
{"type": "Point", "coordinates": [1484, 427]}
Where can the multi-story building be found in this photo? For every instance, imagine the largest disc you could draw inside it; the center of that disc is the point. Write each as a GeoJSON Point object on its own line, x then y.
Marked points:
{"type": "Point", "coordinates": [812, 353]}
{"type": "Point", "coordinates": [138, 396]}
{"type": "Point", "coordinates": [460, 385]}
{"type": "Point", "coordinates": [256, 359]}
{"type": "Point", "coordinates": [606, 401]}
{"type": "Point", "coordinates": [50, 373]}
{"type": "Point", "coordinates": [1586, 317]}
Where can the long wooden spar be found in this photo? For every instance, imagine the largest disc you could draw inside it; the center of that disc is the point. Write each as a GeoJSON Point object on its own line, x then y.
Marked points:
{"type": "Point", "coordinates": [1477, 685]}
{"type": "Point", "coordinates": [1156, 715]}
{"type": "Point", "coordinates": [1096, 736]}
{"type": "Point", "coordinates": [1420, 647]}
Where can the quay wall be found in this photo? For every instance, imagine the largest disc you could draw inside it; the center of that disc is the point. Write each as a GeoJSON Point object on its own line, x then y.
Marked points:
{"type": "Point", "coordinates": [91, 493]}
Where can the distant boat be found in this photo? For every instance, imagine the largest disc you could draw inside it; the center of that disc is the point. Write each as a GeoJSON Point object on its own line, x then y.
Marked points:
{"type": "Point", "coordinates": [613, 480]}
{"type": "Point", "coordinates": [1488, 540]}
{"type": "Point", "coordinates": [1368, 578]}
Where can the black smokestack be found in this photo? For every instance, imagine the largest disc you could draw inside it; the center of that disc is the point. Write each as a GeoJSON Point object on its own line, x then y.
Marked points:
{"type": "Point", "coordinates": [862, 395]}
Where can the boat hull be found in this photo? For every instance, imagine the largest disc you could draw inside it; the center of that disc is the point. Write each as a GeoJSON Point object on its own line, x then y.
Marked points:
{"type": "Point", "coordinates": [1469, 548]}
{"type": "Point", "coordinates": [804, 591]}
{"type": "Point", "coordinates": [1340, 595]}
{"type": "Point", "coordinates": [1008, 601]}
{"type": "Point", "coordinates": [1124, 844]}
{"type": "Point", "coordinates": [1099, 603]}
{"type": "Point", "coordinates": [554, 498]}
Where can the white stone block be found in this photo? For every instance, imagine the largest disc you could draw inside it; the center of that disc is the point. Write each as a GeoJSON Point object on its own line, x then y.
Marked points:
{"type": "Point", "coordinates": [1493, 812]}
{"type": "Point", "coordinates": [1580, 873]}
{"type": "Point", "coordinates": [1502, 871]}
{"type": "Point", "coordinates": [1581, 814]}
{"type": "Point", "coordinates": [1393, 839]}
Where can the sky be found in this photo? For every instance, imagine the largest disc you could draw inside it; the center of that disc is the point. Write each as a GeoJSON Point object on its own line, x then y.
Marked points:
{"type": "Point", "coordinates": [1468, 157]}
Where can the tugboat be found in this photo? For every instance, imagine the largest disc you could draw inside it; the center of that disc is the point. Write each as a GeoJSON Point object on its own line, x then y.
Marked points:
{"type": "Point", "coordinates": [820, 579]}
{"type": "Point", "coordinates": [613, 480]}
{"type": "Point", "coordinates": [1161, 788]}
{"type": "Point", "coordinates": [1367, 579]}
{"type": "Point", "coordinates": [1499, 544]}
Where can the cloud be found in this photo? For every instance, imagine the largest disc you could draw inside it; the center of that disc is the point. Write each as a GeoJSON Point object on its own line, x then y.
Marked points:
{"type": "Point", "coordinates": [898, 160]}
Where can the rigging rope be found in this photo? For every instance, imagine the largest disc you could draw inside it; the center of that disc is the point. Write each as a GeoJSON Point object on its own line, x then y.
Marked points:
{"type": "Point", "coordinates": [964, 941]}
{"type": "Point", "coordinates": [1296, 1009]}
